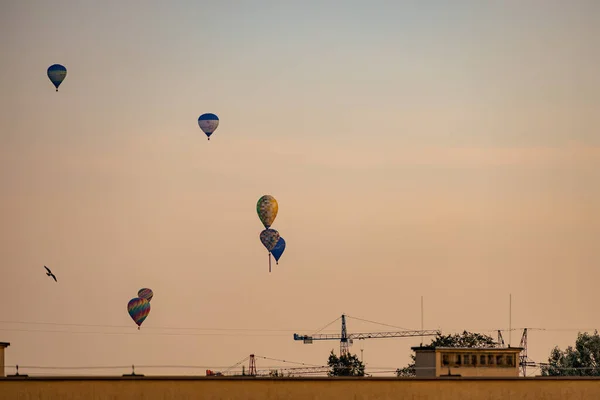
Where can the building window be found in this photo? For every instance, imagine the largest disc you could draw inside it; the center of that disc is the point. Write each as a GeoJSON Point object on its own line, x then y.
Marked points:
{"type": "Point", "coordinates": [467, 360]}
{"type": "Point", "coordinates": [491, 359]}
{"type": "Point", "coordinates": [445, 359]}
{"type": "Point", "coordinates": [510, 361]}
{"type": "Point", "coordinates": [482, 359]}
{"type": "Point", "coordinates": [473, 359]}
{"type": "Point", "coordinates": [499, 359]}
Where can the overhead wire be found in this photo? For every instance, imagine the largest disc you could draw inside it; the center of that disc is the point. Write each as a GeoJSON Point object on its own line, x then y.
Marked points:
{"type": "Point", "coordinates": [236, 364]}
{"type": "Point", "coordinates": [146, 328]}
{"type": "Point", "coordinates": [239, 332]}
{"type": "Point", "coordinates": [149, 327]}
{"type": "Point", "coordinates": [228, 368]}
{"type": "Point", "coordinates": [323, 328]}
{"type": "Point", "coordinates": [136, 333]}
{"type": "Point", "coordinates": [285, 361]}
{"type": "Point", "coordinates": [378, 323]}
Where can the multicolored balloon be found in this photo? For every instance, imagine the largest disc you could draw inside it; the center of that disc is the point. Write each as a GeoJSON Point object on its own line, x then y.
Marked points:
{"type": "Point", "coordinates": [269, 238]}
{"type": "Point", "coordinates": [267, 208]}
{"type": "Point", "coordinates": [277, 251]}
{"type": "Point", "coordinates": [57, 73]}
{"type": "Point", "coordinates": [138, 309]}
{"type": "Point", "coordinates": [145, 293]}
{"type": "Point", "coordinates": [208, 123]}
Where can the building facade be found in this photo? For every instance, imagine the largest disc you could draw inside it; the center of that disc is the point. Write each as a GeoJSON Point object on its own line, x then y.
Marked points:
{"type": "Point", "coordinates": [432, 362]}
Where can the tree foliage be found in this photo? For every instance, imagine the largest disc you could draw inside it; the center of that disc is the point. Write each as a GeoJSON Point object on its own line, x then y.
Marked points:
{"type": "Point", "coordinates": [581, 360]}
{"type": "Point", "coordinates": [465, 339]}
{"type": "Point", "coordinates": [345, 365]}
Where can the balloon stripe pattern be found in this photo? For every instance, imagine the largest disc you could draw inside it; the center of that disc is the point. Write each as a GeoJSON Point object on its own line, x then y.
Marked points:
{"type": "Point", "coordinates": [208, 123]}
{"type": "Point", "coordinates": [138, 309]}
{"type": "Point", "coordinates": [269, 238]}
{"type": "Point", "coordinates": [145, 293]}
{"type": "Point", "coordinates": [267, 209]}
{"type": "Point", "coordinates": [57, 73]}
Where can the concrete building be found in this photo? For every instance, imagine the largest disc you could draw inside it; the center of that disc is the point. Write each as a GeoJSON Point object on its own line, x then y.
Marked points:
{"type": "Point", "coordinates": [433, 362]}
{"type": "Point", "coordinates": [3, 345]}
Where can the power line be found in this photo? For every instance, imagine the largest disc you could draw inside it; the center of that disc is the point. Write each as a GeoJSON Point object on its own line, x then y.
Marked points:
{"type": "Point", "coordinates": [290, 362]}
{"type": "Point", "coordinates": [323, 327]}
{"type": "Point", "coordinates": [370, 368]}
{"type": "Point", "coordinates": [519, 329]}
{"type": "Point", "coordinates": [274, 330]}
{"type": "Point", "coordinates": [378, 323]}
{"type": "Point", "coordinates": [141, 333]}
{"type": "Point", "coordinates": [150, 327]}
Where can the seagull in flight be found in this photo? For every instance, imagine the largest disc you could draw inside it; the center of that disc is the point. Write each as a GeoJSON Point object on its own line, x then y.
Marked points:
{"type": "Point", "coordinates": [49, 273]}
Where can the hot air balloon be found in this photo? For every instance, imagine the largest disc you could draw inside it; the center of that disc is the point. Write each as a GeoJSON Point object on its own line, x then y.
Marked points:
{"type": "Point", "coordinates": [208, 123]}
{"type": "Point", "coordinates": [57, 73]}
{"type": "Point", "coordinates": [269, 238]}
{"type": "Point", "coordinates": [267, 208]}
{"type": "Point", "coordinates": [277, 251]}
{"type": "Point", "coordinates": [138, 309]}
{"type": "Point", "coordinates": [145, 293]}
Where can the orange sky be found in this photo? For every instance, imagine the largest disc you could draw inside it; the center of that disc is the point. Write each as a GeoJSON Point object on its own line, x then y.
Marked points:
{"type": "Point", "coordinates": [415, 150]}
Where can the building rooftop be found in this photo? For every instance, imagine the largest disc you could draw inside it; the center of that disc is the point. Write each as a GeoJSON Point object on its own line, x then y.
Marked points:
{"type": "Point", "coordinates": [467, 348]}
{"type": "Point", "coordinates": [4, 344]}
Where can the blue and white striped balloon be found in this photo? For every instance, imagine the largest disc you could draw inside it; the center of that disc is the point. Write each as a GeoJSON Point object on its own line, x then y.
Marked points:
{"type": "Point", "coordinates": [208, 123]}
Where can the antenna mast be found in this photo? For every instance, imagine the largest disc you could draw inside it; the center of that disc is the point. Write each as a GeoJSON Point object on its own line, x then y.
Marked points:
{"type": "Point", "coordinates": [509, 319]}
{"type": "Point", "coordinates": [421, 319]}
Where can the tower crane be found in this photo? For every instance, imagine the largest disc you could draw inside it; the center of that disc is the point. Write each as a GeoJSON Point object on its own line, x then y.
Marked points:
{"type": "Point", "coordinates": [346, 338]}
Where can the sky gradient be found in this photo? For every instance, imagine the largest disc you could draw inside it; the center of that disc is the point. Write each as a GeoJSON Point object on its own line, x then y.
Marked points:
{"type": "Point", "coordinates": [449, 150]}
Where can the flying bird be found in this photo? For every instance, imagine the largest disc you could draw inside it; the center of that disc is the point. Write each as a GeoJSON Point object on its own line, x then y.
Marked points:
{"type": "Point", "coordinates": [49, 273]}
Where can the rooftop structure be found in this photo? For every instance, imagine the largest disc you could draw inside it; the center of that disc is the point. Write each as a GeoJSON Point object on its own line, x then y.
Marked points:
{"type": "Point", "coordinates": [3, 345]}
{"type": "Point", "coordinates": [466, 362]}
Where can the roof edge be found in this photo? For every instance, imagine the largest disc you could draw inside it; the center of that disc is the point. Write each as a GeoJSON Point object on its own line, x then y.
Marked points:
{"type": "Point", "coordinates": [432, 348]}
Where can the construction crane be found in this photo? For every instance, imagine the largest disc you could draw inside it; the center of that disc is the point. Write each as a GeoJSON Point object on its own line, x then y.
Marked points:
{"type": "Point", "coordinates": [346, 338]}
{"type": "Point", "coordinates": [305, 369]}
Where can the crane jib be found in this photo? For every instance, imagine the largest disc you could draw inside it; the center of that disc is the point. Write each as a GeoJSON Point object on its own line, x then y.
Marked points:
{"type": "Point", "coordinates": [369, 335]}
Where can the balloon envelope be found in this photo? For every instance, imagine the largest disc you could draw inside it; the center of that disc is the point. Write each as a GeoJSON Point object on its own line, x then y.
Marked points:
{"type": "Point", "coordinates": [277, 251]}
{"type": "Point", "coordinates": [267, 209]}
{"type": "Point", "coordinates": [145, 293]}
{"type": "Point", "coordinates": [138, 310]}
{"type": "Point", "coordinates": [208, 123]}
{"type": "Point", "coordinates": [269, 238]}
{"type": "Point", "coordinates": [57, 74]}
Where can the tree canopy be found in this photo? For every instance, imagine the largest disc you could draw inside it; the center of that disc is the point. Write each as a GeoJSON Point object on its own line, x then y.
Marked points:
{"type": "Point", "coordinates": [581, 360]}
{"type": "Point", "coordinates": [464, 339]}
{"type": "Point", "coordinates": [345, 365]}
